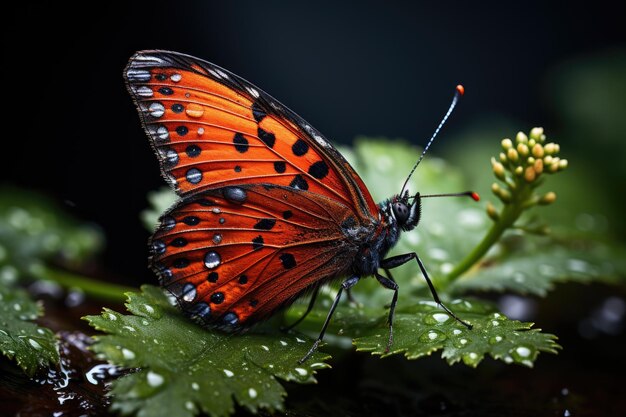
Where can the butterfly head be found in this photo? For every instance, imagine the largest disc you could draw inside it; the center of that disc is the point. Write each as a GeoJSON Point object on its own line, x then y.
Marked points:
{"type": "Point", "coordinates": [406, 212]}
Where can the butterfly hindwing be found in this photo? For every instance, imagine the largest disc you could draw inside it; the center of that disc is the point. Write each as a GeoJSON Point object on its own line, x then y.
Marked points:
{"type": "Point", "coordinates": [210, 129]}
{"type": "Point", "coordinates": [232, 256]}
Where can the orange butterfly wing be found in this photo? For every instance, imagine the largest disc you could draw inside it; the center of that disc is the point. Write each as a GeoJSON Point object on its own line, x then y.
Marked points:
{"type": "Point", "coordinates": [210, 128]}
{"type": "Point", "coordinates": [236, 252]}
{"type": "Point", "coordinates": [269, 207]}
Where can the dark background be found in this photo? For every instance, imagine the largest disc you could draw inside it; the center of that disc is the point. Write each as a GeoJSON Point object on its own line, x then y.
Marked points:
{"type": "Point", "coordinates": [354, 68]}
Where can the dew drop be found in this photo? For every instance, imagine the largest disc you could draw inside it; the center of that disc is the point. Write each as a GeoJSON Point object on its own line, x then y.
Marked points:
{"type": "Point", "coordinates": [495, 323]}
{"type": "Point", "coordinates": [112, 316]}
{"type": "Point", "coordinates": [228, 373]}
{"type": "Point", "coordinates": [441, 317]}
{"type": "Point", "coordinates": [149, 308]}
{"type": "Point", "coordinates": [195, 386]}
{"type": "Point", "coordinates": [189, 292]}
{"type": "Point", "coordinates": [212, 260]}
{"type": "Point", "coordinates": [194, 110]}
{"type": "Point", "coordinates": [265, 348]}
{"type": "Point", "coordinates": [154, 379]}
{"type": "Point", "coordinates": [282, 342]}
{"type": "Point", "coordinates": [129, 328]}
{"type": "Point", "coordinates": [189, 405]}
{"type": "Point", "coordinates": [176, 77]}
{"type": "Point", "coordinates": [301, 371]}
{"type": "Point", "coordinates": [456, 332]}
{"type": "Point", "coordinates": [217, 238]}
{"type": "Point", "coordinates": [299, 340]}
{"type": "Point", "coordinates": [34, 344]}
{"type": "Point", "coordinates": [495, 339]}
{"type": "Point", "coordinates": [156, 109]}
{"type": "Point", "coordinates": [523, 351]}
{"type": "Point", "coordinates": [252, 392]}
{"type": "Point", "coordinates": [200, 131]}
{"type": "Point", "coordinates": [128, 354]}
{"type": "Point", "coordinates": [432, 335]}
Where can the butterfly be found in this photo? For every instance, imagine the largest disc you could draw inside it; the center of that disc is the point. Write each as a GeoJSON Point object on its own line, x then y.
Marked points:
{"type": "Point", "coordinates": [269, 210]}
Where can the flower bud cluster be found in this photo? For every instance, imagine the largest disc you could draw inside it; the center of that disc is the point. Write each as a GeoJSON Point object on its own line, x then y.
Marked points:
{"type": "Point", "coordinates": [523, 164]}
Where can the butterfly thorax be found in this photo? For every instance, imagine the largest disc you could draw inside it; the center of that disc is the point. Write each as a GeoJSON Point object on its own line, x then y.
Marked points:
{"type": "Point", "coordinates": [374, 246]}
{"type": "Point", "coordinates": [396, 214]}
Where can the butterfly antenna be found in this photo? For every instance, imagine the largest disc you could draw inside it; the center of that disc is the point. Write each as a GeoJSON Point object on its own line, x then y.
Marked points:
{"type": "Point", "coordinates": [460, 90]}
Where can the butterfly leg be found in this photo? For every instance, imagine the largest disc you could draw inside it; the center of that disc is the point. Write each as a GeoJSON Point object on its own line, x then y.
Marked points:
{"type": "Point", "coordinates": [398, 260]}
{"type": "Point", "coordinates": [316, 290]}
{"type": "Point", "coordinates": [391, 284]}
{"type": "Point", "coordinates": [346, 285]}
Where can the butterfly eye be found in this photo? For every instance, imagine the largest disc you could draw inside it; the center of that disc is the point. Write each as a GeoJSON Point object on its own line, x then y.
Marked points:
{"type": "Point", "coordinates": [401, 212]}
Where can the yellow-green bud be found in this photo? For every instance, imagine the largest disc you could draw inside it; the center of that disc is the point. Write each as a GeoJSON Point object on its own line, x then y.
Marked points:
{"type": "Point", "coordinates": [537, 133]}
{"type": "Point", "coordinates": [503, 158]}
{"type": "Point", "coordinates": [530, 160]}
{"type": "Point", "coordinates": [529, 174]}
{"type": "Point", "coordinates": [563, 164]}
{"type": "Point", "coordinates": [512, 155]}
{"type": "Point", "coordinates": [501, 193]}
{"type": "Point", "coordinates": [550, 148]}
{"type": "Point", "coordinates": [521, 137]}
{"type": "Point", "coordinates": [547, 160]}
{"type": "Point", "coordinates": [519, 171]}
{"type": "Point", "coordinates": [492, 212]}
{"type": "Point", "coordinates": [548, 198]}
{"type": "Point", "coordinates": [538, 151]}
{"type": "Point", "coordinates": [522, 148]}
{"type": "Point", "coordinates": [554, 166]}
{"type": "Point", "coordinates": [538, 166]}
{"type": "Point", "coordinates": [507, 144]}
{"type": "Point", "coordinates": [531, 143]}
{"type": "Point", "coordinates": [498, 169]}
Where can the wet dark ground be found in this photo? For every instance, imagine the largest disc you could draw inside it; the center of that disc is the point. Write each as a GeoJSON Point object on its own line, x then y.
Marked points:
{"type": "Point", "coordinates": [586, 379]}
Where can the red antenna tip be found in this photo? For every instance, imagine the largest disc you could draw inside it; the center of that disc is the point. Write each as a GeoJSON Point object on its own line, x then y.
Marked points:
{"type": "Point", "coordinates": [460, 89]}
{"type": "Point", "coordinates": [475, 196]}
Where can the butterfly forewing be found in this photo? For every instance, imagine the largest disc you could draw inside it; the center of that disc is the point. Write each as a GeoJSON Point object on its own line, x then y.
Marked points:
{"type": "Point", "coordinates": [210, 128]}
{"type": "Point", "coordinates": [234, 255]}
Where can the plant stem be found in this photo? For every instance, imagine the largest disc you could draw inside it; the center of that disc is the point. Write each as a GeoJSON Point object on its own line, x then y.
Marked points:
{"type": "Point", "coordinates": [91, 287]}
{"type": "Point", "coordinates": [507, 217]}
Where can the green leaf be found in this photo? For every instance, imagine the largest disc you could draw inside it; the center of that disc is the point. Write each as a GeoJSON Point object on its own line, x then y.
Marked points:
{"type": "Point", "coordinates": [423, 328]}
{"type": "Point", "coordinates": [34, 230]}
{"type": "Point", "coordinates": [31, 346]}
{"type": "Point", "coordinates": [186, 370]}
{"type": "Point", "coordinates": [536, 271]}
{"type": "Point", "coordinates": [160, 200]}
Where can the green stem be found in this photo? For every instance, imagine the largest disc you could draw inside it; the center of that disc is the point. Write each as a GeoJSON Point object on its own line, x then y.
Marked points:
{"type": "Point", "coordinates": [91, 287]}
{"type": "Point", "coordinates": [508, 216]}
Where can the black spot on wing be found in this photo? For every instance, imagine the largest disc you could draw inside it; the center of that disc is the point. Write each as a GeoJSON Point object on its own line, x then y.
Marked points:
{"type": "Point", "coordinates": [268, 138]}
{"type": "Point", "coordinates": [265, 224]}
{"type": "Point", "coordinates": [258, 113]}
{"type": "Point", "coordinates": [257, 242]}
{"type": "Point", "coordinates": [318, 170]}
{"type": "Point", "coordinates": [287, 260]}
{"type": "Point", "coordinates": [300, 147]}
